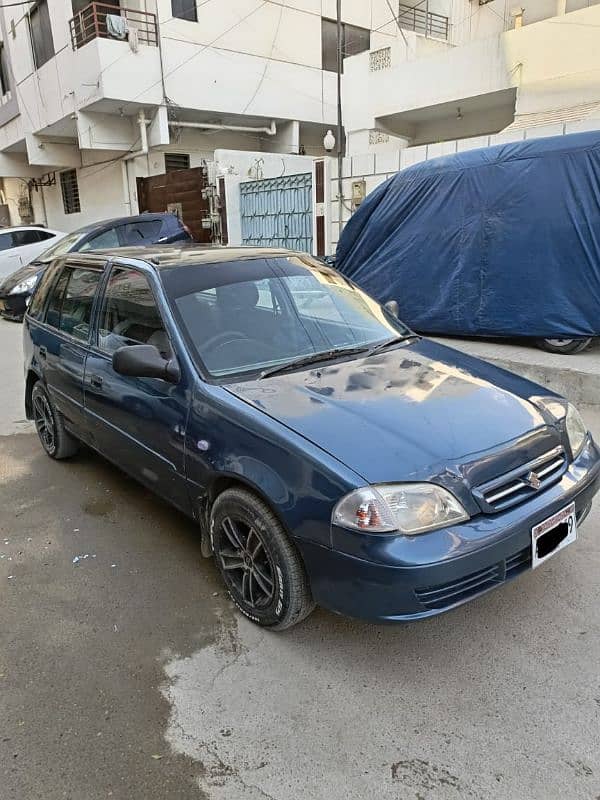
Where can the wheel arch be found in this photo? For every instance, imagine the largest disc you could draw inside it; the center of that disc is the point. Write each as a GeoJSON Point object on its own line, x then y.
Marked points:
{"type": "Point", "coordinates": [220, 483]}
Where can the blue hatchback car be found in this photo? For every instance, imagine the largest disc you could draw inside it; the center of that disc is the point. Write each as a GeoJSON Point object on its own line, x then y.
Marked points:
{"type": "Point", "coordinates": [328, 454]}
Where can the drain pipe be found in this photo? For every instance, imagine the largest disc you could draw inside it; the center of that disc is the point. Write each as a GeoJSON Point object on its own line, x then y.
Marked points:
{"type": "Point", "coordinates": [210, 126]}
{"type": "Point", "coordinates": [143, 151]}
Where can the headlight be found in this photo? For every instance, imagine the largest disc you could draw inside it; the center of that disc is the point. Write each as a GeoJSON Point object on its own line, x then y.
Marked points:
{"type": "Point", "coordinates": [574, 425]}
{"type": "Point", "coordinates": [576, 430]}
{"type": "Point", "coordinates": [25, 286]}
{"type": "Point", "coordinates": [409, 508]}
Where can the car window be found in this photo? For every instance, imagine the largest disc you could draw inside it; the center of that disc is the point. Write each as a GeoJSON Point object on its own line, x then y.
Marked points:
{"type": "Point", "coordinates": [40, 293]}
{"type": "Point", "coordinates": [55, 302]}
{"type": "Point", "coordinates": [21, 238]}
{"type": "Point", "coordinates": [44, 235]}
{"type": "Point", "coordinates": [106, 239]}
{"type": "Point", "coordinates": [72, 300]}
{"type": "Point", "coordinates": [6, 241]}
{"type": "Point", "coordinates": [255, 314]}
{"type": "Point", "coordinates": [129, 314]}
{"type": "Point", "coordinates": [140, 232]}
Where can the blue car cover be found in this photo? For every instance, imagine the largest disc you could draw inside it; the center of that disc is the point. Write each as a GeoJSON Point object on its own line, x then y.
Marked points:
{"type": "Point", "coordinates": [502, 241]}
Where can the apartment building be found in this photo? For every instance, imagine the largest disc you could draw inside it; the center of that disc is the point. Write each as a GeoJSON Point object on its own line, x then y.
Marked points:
{"type": "Point", "coordinates": [99, 100]}
{"type": "Point", "coordinates": [465, 74]}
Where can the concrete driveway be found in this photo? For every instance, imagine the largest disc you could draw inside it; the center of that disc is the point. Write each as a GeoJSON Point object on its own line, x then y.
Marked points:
{"type": "Point", "coordinates": [128, 675]}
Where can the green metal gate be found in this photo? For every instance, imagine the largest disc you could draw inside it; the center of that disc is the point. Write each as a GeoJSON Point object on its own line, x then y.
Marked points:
{"type": "Point", "coordinates": [277, 212]}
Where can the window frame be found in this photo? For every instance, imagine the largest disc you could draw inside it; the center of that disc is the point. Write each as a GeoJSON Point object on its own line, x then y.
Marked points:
{"type": "Point", "coordinates": [346, 28]}
{"type": "Point", "coordinates": [62, 268]}
{"type": "Point", "coordinates": [64, 189]}
{"type": "Point", "coordinates": [48, 51]}
{"type": "Point", "coordinates": [111, 267]}
{"type": "Point", "coordinates": [5, 87]}
{"type": "Point", "coordinates": [193, 12]}
{"type": "Point", "coordinates": [55, 270]}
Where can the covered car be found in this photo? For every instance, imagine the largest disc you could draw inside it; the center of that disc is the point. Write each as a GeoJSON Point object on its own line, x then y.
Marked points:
{"type": "Point", "coordinates": [499, 241]}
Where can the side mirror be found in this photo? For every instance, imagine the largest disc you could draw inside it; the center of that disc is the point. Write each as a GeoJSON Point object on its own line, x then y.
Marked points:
{"type": "Point", "coordinates": [393, 307]}
{"type": "Point", "coordinates": [144, 361]}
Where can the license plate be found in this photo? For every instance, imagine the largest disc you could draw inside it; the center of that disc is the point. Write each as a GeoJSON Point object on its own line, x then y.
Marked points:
{"type": "Point", "coordinates": [551, 535]}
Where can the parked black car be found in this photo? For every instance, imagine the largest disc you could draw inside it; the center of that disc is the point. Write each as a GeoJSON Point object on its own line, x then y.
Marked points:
{"type": "Point", "coordinates": [143, 229]}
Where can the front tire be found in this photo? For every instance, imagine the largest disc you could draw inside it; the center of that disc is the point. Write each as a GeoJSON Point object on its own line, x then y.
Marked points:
{"type": "Point", "coordinates": [259, 564]}
{"type": "Point", "coordinates": [50, 425]}
{"type": "Point", "coordinates": [565, 346]}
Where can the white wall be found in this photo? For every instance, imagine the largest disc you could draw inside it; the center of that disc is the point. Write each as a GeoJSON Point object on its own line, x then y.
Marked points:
{"type": "Point", "coordinates": [375, 168]}
{"type": "Point", "coordinates": [237, 167]}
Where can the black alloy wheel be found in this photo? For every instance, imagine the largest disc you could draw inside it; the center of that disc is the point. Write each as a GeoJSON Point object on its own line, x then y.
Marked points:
{"type": "Point", "coordinates": [50, 425]}
{"type": "Point", "coordinates": [44, 422]}
{"type": "Point", "coordinates": [244, 559]}
{"type": "Point", "coordinates": [259, 563]}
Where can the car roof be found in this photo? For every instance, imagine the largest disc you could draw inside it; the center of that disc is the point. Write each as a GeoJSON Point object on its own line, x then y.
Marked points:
{"type": "Point", "coordinates": [176, 255]}
{"type": "Point", "coordinates": [107, 223]}
{"type": "Point", "coordinates": [28, 228]}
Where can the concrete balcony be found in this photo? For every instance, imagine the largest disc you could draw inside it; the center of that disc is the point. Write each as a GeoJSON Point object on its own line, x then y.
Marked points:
{"type": "Point", "coordinates": [426, 91]}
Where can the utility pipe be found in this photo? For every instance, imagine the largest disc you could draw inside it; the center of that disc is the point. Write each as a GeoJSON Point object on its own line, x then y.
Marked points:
{"type": "Point", "coordinates": [271, 130]}
{"type": "Point", "coordinates": [143, 151]}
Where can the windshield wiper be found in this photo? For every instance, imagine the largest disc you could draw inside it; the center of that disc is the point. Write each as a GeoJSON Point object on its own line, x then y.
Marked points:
{"type": "Point", "coordinates": [312, 358]}
{"type": "Point", "coordinates": [389, 342]}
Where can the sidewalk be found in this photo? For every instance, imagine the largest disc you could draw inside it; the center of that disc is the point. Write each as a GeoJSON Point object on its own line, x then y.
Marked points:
{"type": "Point", "coordinates": [577, 377]}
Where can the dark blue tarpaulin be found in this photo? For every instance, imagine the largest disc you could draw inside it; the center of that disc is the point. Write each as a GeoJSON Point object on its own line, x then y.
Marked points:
{"type": "Point", "coordinates": [502, 241]}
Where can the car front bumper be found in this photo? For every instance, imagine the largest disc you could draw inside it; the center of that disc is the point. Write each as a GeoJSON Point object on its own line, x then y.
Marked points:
{"type": "Point", "coordinates": [404, 578]}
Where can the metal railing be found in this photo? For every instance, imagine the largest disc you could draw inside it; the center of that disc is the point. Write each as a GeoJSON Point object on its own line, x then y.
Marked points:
{"type": "Point", "coordinates": [90, 23]}
{"type": "Point", "coordinates": [421, 20]}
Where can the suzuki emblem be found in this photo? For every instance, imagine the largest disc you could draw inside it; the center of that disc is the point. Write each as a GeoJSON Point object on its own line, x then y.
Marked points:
{"type": "Point", "coordinates": [533, 480]}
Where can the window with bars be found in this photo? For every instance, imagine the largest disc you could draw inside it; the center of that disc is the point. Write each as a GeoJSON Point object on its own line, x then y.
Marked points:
{"type": "Point", "coordinates": [355, 40]}
{"type": "Point", "coordinates": [4, 84]}
{"type": "Point", "coordinates": [41, 33]}
{"type": "Point", "coordinates": [70, 191]}
{"type": "Point", "coordinates": [184, 9]}
{"type": "Point", "coordinates": [174, 161]}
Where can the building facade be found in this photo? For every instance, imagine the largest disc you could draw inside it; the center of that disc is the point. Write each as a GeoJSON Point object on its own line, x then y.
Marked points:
{"type": "Point", "coordinates": [111, 108]}
{"type": "Point", "coordinates": [97, 97]}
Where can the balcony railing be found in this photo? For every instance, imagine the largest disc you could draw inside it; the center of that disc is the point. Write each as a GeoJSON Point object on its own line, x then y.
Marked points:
{"type": "Point", "coordinates": [420, 20]}
{"type": "Point", "coordinates": [90, 23]}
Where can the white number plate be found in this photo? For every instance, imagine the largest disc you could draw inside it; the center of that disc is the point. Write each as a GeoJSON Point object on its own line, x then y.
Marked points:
{"type": "Point", "coordinates": [551, 535]}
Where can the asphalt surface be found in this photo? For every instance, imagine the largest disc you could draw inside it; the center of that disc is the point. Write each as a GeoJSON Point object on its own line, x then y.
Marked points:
{"type": "Point", "coordinates": [128, 675]}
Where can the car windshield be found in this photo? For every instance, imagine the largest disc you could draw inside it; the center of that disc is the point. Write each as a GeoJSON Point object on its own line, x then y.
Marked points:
{"type": "Point", "coordinates": [255, 315]}
{"type": "Point", "coordinates": [65, 245]}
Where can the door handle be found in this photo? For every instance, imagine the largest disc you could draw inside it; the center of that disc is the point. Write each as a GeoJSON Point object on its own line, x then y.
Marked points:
{"type": "Point", "coordinates": [43, 352]}
{"type": "Point", "coordinates": [96, 381]}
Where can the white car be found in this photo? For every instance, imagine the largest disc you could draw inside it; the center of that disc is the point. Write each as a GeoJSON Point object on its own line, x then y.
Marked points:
{"type": "Point", "coordinates": [20, 245]}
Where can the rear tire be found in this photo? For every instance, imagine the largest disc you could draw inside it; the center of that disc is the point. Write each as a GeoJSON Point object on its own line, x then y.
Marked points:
{"type": "Point", "coordinates": [50, 426]}
{"type": "Point", "coordinates": [259, 564]}
{"type": "Point", "coordinates": [564, 346]}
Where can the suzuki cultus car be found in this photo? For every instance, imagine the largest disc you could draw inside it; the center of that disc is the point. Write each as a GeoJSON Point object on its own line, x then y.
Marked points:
{"type": "Point", "coordinates": [328, 454]}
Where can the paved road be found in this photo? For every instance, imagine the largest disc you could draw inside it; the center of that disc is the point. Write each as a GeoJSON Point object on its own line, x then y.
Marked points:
{"type": "Point", "coordinates": [128, 675]}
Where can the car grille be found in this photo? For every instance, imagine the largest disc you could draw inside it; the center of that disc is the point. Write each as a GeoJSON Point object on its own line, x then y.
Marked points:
{"type": "Point", "coordinates": [446, 595]}
{"type": "Point", "coordinates": [521, 483]}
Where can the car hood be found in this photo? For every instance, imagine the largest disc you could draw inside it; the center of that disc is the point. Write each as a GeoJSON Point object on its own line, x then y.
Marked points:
{"type": "Point", "coordinates": [419, 411]}
{"type": "Point", "coordinates": [20, 275]}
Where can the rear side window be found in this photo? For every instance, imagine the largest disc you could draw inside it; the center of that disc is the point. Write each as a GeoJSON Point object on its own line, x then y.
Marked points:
{"type": "Point", "coordinates": [72, 301]}
{"type": "Point", "coordinates": [40, 294]}
{"type": "Point", "coordinates": [129, 314]}
{"type": "Point", "coordinates": [140, 232]}
{"type": "Point", "coordinates": [107, 239]}
{"type": "Point", "coordinates": [6, 241]}
{"type": "Point", "coordinates": [21, 238]}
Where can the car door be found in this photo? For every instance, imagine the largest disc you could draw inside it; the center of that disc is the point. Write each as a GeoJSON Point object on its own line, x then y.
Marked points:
{"type": "Point", "coordinates": [138, 423]}
{"type": "Point", "coordinates": [9, 255]}
{"type": "Point", "coordinates": [62, 340]}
